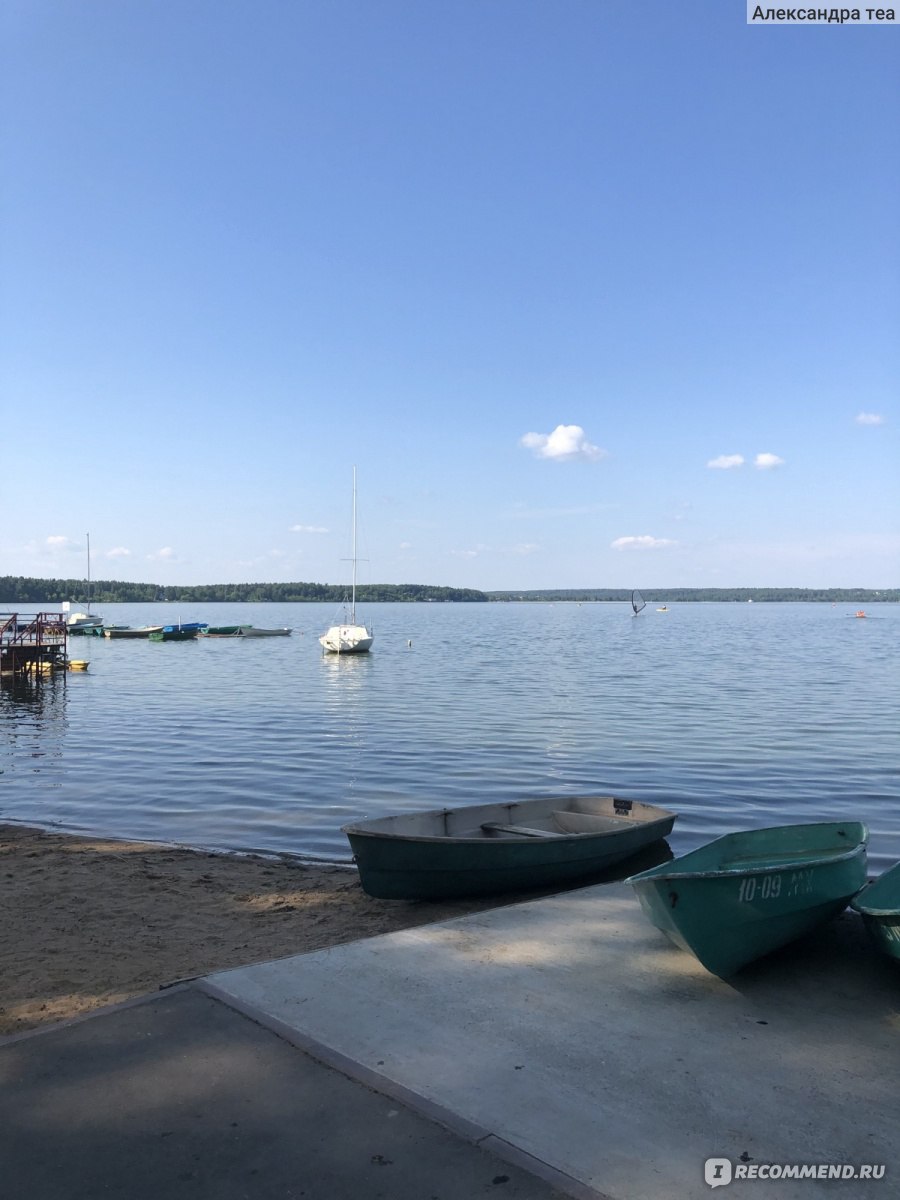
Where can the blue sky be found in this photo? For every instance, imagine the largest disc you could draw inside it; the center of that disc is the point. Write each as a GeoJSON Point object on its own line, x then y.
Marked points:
{"type": "Point", "coordinates": [593, 293]}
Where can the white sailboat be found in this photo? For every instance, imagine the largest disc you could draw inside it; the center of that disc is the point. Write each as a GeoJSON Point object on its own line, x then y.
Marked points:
{"type": "Point", "coordinates": [349, 637]}
{"type": "Point", "coordinates": [83, 622]}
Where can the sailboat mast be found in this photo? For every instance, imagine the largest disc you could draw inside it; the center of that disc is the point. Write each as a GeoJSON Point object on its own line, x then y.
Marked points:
{"type": "Point", "coordinates": [353, 593]}
{"type": "Point", "coordinates": [88, 536]}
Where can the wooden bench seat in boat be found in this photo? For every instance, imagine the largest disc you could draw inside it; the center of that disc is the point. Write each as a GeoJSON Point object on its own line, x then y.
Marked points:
{"type": "Point", "coordinates": [520, 830]}
{"type": "Point", "coordinates": [566, 822]}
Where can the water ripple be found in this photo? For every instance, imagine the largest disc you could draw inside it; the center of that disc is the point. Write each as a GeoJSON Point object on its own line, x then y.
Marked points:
{"type": "Point", "coordinates": [733, 715]}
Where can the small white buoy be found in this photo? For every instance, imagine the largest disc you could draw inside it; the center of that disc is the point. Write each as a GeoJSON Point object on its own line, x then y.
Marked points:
{"type": "Point", "coordinates": [409, 643]}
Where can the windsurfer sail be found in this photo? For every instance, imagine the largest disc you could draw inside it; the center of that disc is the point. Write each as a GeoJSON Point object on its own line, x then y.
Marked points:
{"type": "Point", "coordinates": [637, 602]}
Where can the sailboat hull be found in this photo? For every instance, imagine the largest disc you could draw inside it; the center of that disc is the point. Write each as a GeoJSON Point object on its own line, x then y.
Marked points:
{"type": "Point", "coordinates": [346, 639]}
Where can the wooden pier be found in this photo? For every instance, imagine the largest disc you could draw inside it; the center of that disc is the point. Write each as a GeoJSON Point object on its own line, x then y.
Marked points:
{"type": "Point", "coordinates": [32, 642]}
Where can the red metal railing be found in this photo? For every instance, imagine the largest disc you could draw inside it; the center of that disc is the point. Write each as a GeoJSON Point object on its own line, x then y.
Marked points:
{"type": "Point", "coordinates": [31, 638]}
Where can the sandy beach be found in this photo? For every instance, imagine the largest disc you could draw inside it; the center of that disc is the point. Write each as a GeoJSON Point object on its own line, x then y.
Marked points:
{"type": "Point", "coordinates": [89, 922]}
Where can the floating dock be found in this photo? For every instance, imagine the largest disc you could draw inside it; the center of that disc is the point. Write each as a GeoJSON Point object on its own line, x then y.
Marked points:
{"type": "Point", "coordinates": [32, 642]}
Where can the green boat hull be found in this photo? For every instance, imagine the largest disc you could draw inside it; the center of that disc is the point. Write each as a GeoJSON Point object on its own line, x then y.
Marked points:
{"type": "Point", "coordinates": [746, 894]}
{"type": "Point", "coordinates": [879, 906]}
{"type": "Point", "coordinates": [452, 853]}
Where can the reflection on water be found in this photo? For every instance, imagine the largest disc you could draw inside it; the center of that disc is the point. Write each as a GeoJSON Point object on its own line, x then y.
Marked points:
{"type": "Point", "coordinates": [733, 716]}
{"type": "Point", "coordinates": [32, 720]}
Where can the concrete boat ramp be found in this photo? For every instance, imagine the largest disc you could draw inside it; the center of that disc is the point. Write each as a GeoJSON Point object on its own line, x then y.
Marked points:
{"type": "Point", "coordinates": [569, 1035]}
{"type": "Point", "coordinates": [563, 1039]}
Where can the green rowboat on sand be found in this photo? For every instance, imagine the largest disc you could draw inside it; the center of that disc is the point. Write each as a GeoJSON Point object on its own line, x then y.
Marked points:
{"type": "Point", "coordinates": [486, 849]}
{"type": "Point", "coordinates": [879, 905]}
{"type": "Point", "coordinates": [746, 894]}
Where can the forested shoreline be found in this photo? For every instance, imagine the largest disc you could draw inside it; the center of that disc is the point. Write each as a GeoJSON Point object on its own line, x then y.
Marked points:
{"type": "Point", "coordinates": [18, 589]}
{"type": "Point", "coordinates": [672, 595]}
{"type": "Point", "coordinates": [22, 590]}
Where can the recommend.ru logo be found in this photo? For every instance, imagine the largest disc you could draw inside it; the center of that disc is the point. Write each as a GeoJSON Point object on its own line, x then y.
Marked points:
{"type": "Point", "coordinates": [719, 1171]}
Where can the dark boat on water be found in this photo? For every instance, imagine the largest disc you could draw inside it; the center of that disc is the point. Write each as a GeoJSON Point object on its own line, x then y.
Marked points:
{"type": "Point", "coordinates": [177, 633]}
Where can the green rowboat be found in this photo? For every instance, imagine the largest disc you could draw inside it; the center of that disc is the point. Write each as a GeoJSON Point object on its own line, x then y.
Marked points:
{"type": "Point", "coordinates": [746, 894]}
{"type": "Point", "coordinates": [123, 631]}
{"type": "Point", "coordinates": [486, 849]}
{"type": "Point", "coordinates": [879, 904]}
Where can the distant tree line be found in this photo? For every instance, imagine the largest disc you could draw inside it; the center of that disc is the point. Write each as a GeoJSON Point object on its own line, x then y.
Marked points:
{"type": "Point", "coordinates": [19, 589]}
{"type": "Point", "coordinates": [666, 595]}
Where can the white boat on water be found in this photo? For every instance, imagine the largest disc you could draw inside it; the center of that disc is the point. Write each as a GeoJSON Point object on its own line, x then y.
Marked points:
{"type": "Point", "coordinates": [349, 637]}
{"type": "Point", "coordinates": [80, 622]}
{"type": "Point", "coordinates": [83, 622]}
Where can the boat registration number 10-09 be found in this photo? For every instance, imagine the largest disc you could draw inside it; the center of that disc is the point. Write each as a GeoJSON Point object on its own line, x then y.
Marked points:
{"type": "Point", "coordinates": [772, 887]}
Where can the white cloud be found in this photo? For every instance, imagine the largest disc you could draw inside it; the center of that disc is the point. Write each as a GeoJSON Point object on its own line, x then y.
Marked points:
{"type": "Point", "coordinates": [308, 529]}
{"type": "Point", "coordinates": [165, 553]}
{"type": "Point", "coordinates": [406, 545]}
{"type": "Point", "coordinates": [865, 418]}
{"type": "Point", "coordinates": [767, 462]}
{"type": "Point", "coordinates": [117, 552]}
{"type": "Point", "coordinates": [565, 443]}
{"type": "Point", "coordinates": [642, 542]}
{"type": "Point", "coordinates": [726, 461]}
{"type": "Point", "coordinates": [58, 541]}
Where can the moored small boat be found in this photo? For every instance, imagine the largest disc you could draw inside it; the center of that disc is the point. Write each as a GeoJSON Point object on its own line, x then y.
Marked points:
{"type": "Point", "coordinates": [177, 633]}
{"type": "Point", "coordinates": [256, 631]}
{"type": "Point", "coordinates": [217, 631]}
{"type": "Point", "coordinates": [82, 623]}
{"type": "Point", "coordinates": [120, 631]}
{"type": "Point", "coordinates": [347, 636]}
{"type": "Point", "coordinates": [746, 894]}
{"type": "Point", "coordinates": [486, 849]}
{"type": "Point", "coordinates": [879, 905]}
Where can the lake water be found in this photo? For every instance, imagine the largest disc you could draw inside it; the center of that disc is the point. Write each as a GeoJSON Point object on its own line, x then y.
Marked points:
{"type": "Point", "coordinates": [733, 715]}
